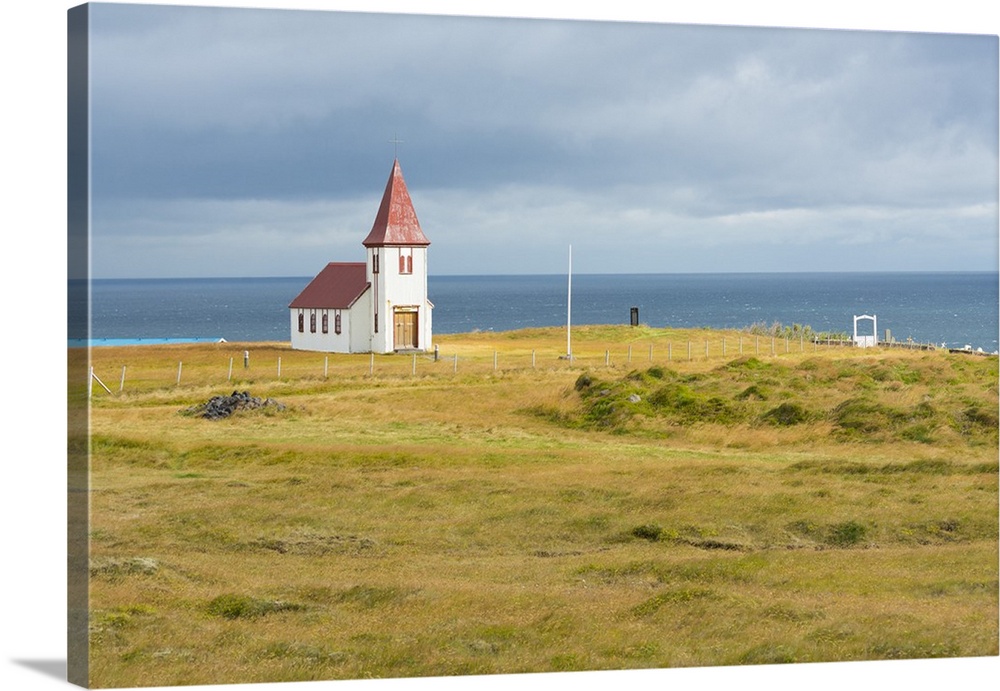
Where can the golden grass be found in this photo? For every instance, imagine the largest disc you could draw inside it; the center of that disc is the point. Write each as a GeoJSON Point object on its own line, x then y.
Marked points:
{"type": "Point", "coordinates": [437, 524]}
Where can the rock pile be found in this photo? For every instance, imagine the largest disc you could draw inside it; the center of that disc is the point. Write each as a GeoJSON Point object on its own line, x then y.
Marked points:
{"type": "Point", "coordinates": [219, 407]}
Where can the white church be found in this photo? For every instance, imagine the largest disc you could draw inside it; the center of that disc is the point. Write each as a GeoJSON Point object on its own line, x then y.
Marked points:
{"type": "Point", "coordinates": [379, 305]}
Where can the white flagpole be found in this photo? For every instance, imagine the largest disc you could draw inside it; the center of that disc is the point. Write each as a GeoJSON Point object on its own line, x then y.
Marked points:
{"type": "Point", "coordinates": [569, 305]}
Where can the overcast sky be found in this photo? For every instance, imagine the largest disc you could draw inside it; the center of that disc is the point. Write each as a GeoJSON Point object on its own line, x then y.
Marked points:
{"type": "Point", "coordinates": [256, 142]}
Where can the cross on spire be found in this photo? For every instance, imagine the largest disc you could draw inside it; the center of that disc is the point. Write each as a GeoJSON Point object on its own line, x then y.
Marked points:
{"type": "Point", "coordinates": [395, 141]}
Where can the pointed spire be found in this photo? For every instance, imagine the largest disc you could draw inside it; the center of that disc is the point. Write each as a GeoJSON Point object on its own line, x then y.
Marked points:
{"type": "Point", "coordinates": [396, 222]}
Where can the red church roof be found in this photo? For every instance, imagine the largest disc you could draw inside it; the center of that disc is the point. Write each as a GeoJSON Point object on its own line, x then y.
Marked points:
{"type": "Point", "coordinates": [396, 222]}
{"type": "Point", "coordinates": [337, 286]}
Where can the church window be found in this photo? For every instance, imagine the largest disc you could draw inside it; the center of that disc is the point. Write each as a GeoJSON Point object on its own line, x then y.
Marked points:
{"type": "Point", "coordinates": [406, 261]}
{"type": "Point", "coordinates": [302, 322]}
{"type": "Point", "coordinates": [326, 322]}
{"type": "Point", "coordinates": [336, 322]}
{"type": "Point", "coordinates": [312, 322]}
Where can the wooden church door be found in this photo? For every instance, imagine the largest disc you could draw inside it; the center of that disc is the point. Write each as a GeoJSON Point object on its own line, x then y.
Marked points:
{"type": "Point", "coordinates": [405, 331]}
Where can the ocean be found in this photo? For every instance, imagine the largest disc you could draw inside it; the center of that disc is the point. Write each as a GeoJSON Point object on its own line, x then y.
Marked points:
{"type": "Point", "coordinates": [945, 308]}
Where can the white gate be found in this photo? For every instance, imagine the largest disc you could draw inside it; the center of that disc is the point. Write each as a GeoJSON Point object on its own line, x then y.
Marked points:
{"type": "Point", "coordinates": [866, 341]}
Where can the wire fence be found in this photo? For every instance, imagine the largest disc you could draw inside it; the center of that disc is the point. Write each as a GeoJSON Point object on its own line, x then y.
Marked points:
{"type": "Point", "coordinates": [135, 369]}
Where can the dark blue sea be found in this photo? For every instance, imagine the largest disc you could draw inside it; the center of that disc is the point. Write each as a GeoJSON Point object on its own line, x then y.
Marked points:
{"type": "Point", "coordinates": [955, 309]}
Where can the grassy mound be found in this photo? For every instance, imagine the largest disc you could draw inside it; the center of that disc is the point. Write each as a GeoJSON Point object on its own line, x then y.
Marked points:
{"type": "Point", "coordinates": [913, 398]}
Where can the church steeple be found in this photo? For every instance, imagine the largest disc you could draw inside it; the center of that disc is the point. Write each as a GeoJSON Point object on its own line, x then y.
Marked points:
{"type": "Point", "coordinates": [396, 222]}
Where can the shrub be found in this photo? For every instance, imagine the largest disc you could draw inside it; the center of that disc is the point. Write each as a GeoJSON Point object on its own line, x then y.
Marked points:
{"type": "Point", "coordinates": [786, 414]}
{"type": "Point", "coordinates": [681, 595]}
{"type": "Point", "coordinates": [691, 406]}
{"type": "Point", "coordinates": [978, 417]}
{"type": "Point", "coordinates": [845, 534]}
{"type": "Point", "coordinates": [918, 433]}
{"type": "Point", "coordinates": [860, 416]}
{"type": "Point", "coordinates": [672, 396]}
{"type": "Point", "coordinates": [649, 531]}
{"type": "Point", "coordinates": [747, 363]}
{"type": "Point", "coordinates": [656, 372]}
{"type": "Point", "coordinates": [233, 606]}
{"type": "Point", "coordinates": [752, 391]}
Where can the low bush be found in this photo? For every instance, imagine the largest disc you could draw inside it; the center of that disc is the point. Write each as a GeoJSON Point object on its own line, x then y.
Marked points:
{"type": "Point", "coordinates": [861, 416]}
{"type": "Point", "coordinates": [845, 534]}
{"type": "Point", "coordinates": [786, 414]}
{"type": "Point", "coordinates": [754, 391]}
{"type": "Point", "coordinates": [232, 606]}
{"type": "Point", "coordinates": [649, 531]}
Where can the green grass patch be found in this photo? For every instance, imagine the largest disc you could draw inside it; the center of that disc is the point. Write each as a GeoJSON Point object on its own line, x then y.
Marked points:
{"type": "Point", "coordinates": [234, 606]}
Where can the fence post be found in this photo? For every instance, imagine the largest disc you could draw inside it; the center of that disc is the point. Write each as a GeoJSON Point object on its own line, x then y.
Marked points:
{"type": "Point", "coordinates": [326, 366]}
{"type": "Point", "coordinates": [455, 367]}
{"type": "Point", "coordinates": [279, 367]}
{"type": "Point", "coordinates": [607, 358]}
{"type": "Point", "coordinates": [371, 364]}
{"type": "Point", "coordinates": [532, 359]}
{"type": "Point", "coordinates": [121, 387]}
{"type": "Point", "coordinates": [706, 348]}
{"type": "Point", "coordinates": [230, 375]}
{"type": "Point", "coordinates": [630, 354]}
{"type": "Point", "coordinates": [494, 361]}
{"type": "Point", "coordinates": [179, 372]}
{"type": "Point", "coordinates": [413, 371]}
{"type": "Point", "coordinates": [90, 382]}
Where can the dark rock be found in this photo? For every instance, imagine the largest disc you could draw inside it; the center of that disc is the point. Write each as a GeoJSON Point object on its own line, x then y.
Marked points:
{"type": "Point", "coordinates": [219, 407]}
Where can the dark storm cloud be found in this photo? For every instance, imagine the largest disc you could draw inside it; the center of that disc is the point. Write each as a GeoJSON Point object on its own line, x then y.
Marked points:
{"type": "Point", "coordinates": [673, 131]}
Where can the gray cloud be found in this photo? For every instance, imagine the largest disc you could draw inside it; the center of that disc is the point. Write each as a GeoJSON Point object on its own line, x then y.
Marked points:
{"type": "Point", "coordinates": [523, 135]}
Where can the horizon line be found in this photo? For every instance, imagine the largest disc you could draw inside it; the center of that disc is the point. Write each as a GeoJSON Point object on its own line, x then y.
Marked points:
{"type": "Point", "coordinates": [583, 273]}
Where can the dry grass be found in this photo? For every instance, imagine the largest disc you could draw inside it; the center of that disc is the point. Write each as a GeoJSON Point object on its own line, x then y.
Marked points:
{"type": "Point", "coordinates": [475, 522]}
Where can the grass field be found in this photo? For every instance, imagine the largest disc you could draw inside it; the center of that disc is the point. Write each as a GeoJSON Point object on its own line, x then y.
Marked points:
{"type": "Point", "coordinates": [668, 498]}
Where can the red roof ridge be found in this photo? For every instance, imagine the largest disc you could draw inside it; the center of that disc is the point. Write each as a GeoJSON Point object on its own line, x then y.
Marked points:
{"type": "Point", "coordinates": [337, 286]}
{"type": "Point", "coordinates": [396, 221]}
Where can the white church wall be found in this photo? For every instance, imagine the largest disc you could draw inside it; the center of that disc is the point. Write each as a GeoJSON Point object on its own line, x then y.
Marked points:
{"type": "Point", "coordinates": [329, 342]}
{"type": "Point", "coordinates": [360, 324]}
{"type": "Point", "coordinates": [399, 284]}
